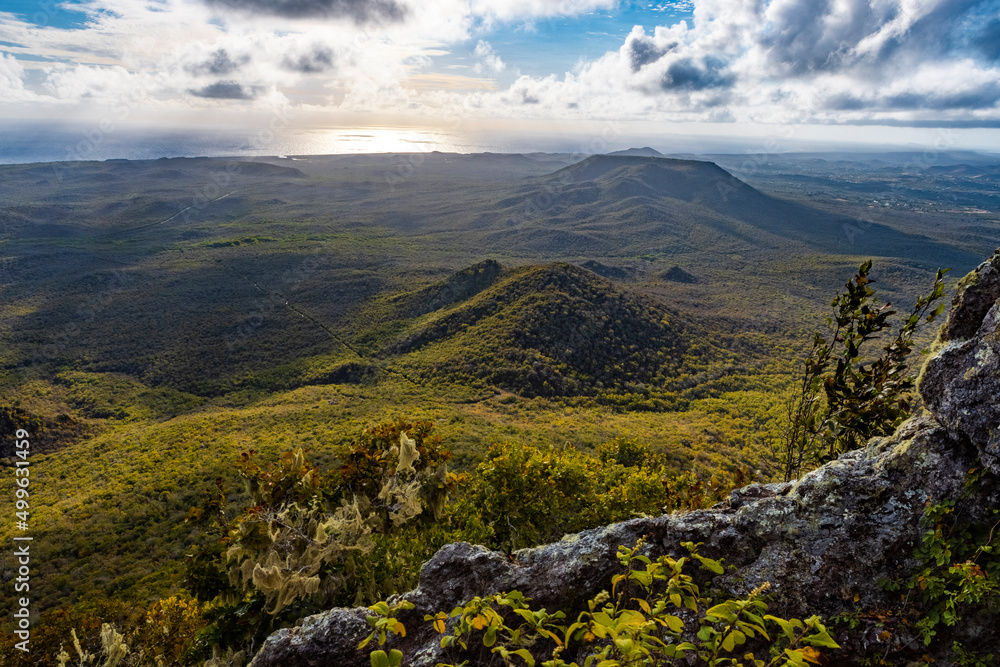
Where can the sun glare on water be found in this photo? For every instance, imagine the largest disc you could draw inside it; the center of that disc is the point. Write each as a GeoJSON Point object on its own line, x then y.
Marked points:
{"type": "Point", "coordinates": [377, 140]}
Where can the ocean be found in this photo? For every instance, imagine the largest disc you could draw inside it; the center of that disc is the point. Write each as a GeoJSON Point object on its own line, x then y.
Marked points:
{"type": "Point", "coordinates": [23, 144]}
{"type": "Point", "coordinates": [36, 142]}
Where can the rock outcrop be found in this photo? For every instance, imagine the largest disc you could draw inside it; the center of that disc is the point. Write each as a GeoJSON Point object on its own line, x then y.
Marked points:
{"type": "Point", "coordinates": [961, 383]}
{"type": "Point", "coordinates": [822, 542]}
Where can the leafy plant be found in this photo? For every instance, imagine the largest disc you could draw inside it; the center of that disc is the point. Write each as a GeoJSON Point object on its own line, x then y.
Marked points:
{"type": "Point", "coordinates": [524, 495]}
{"type": "Point", "coordinates": [841, 401]}
{"type": "Point", "coordinates": [960, 567]}
{"type": "Point", "coordinates": [636, 624]}
{"type": "Point", "coordinates": [383, 620]}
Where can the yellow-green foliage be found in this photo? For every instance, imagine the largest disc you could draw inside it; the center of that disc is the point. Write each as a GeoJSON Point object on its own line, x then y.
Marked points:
{"type": "Point", "coordinates": [109, 517]}
{"type": "Point", "coordinates": [526, 495]}
{"type": "Point", "coordinates": [112, 635]}
{"type": "Point", "coordinates": [645, 621]}
{"type": "Point", "coordinates": [309, 539]}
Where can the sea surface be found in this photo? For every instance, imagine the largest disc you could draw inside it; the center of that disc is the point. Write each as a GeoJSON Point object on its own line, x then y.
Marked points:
{"type": "Point", "coordinates": [27, 143]}
{"type": "Point", "coordinates": [37, 143]}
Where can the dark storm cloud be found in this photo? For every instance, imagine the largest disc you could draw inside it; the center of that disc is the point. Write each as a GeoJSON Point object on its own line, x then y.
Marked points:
{"type": "Point", "coordinates": [803, 40]}
{"type": "Point", "coordinates": [642, 50]}
{"type": "Point", "coordinates": [359, 11]}
{"type": "Point", "coordinates": [218, 63]}
{"type": "Point", "coordinates": [318, 59]}
{"type": "Point", "coordinates": [982, 97]}
{"type": "Point", "coordinates": [225, 90]}
{"type": "Point", "coordinates": [987, 41]}
{"type": "Point", "coordinates": [685, 74]}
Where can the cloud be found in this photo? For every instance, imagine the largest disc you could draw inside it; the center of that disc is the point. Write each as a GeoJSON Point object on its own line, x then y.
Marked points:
{"type": "Point", "coordinates": [11, 80]}
{"type": "Point", "coordinates": [685, 74]}
{"type": "Point", "coordinates": [790, 61]}
{"type": "Point", "coordinates": [987, 40]}
{"type": "Point", "coordinates": [358, 11]}
{"type": "Point", "coordinates": [219, 63]}
{"type": "Point", "coordinates": [513, 10]}
{"type": "Point", "coordinates": [226, 90]}
{"type": "Point", "coordinates": [311, 61]}
{"type": "Point", "coordinates": [489, 57]}
{"type": "Point", "coordinates": [748, 61]}
{"type": "Point", "coordinates": [642, 50]}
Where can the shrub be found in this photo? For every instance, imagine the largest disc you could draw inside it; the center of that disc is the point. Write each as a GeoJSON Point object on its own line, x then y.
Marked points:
{"type": "Point", "coordinates": [841, 401]}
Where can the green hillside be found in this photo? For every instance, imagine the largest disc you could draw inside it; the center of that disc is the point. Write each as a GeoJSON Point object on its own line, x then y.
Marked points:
{"type": "Point", "coordinates": [560, 330]}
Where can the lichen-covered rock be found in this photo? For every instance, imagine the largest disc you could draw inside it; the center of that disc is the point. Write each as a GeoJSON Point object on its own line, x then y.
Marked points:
{"type": "Point", "coordinates": [961, 383]}
{"type": "Point", "coordinates": [977, 292]}
{"type": "Point", "coordinates": [822, 543]}
{"type": "Point", "coordinates": [311, 644]}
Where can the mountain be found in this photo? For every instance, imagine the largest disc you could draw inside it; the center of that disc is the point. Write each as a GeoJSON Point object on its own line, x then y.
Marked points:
{"type": "Point", "coordinates": [556, 330]}
{"type": "Point", "coordinates": [459, 286]}
{"type": "Point", "coordinates": [676, 274]}
{"type": "Point", "coordinates": [644, 152]}
{"type": "Point", "coordinates": [633, 204]}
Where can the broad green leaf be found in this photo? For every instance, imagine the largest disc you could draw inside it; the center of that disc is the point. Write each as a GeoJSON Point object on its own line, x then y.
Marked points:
{"type": "Point", "coordinates": [630, 617]}
{"type": "Point", "coordinates": [526, 656]}
{"type": "Point", "coordinates": [675, 624]}
{"type": "Point", "coordinates": [820, 638]}
{"type": "Point", "coordinates": [712, 565]}
{"type": "Point", "coordinates": [785, 626]}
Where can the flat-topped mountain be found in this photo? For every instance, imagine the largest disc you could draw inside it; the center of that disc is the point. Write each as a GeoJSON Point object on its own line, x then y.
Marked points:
{"type": "Point", "coordinates": [645, 151]}
{"type": "Point", "coordinates": [629, 203]}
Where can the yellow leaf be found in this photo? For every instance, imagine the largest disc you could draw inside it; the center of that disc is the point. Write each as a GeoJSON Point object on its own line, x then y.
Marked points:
{"type": "Point", "coordinates": [479, 622]}
{"type": "Point", "coordinates": [399, 629]}
{"type": "Point", "coordinates": [439, 625]}
{"type": "Point", "coordinates": [857, 597]}
{"type": "Point", "coordinates": [885, 634]}
{"type": "Point", "coordinates": [809, 654]}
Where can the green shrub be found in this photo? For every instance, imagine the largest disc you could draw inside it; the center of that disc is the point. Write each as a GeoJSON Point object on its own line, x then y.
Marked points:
{"type": "Point", "coordinates": [842, 402]}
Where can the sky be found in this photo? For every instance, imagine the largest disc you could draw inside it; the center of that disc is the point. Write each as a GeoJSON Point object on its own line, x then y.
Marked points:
{"type": "Point", "coordinates": [900, 71]}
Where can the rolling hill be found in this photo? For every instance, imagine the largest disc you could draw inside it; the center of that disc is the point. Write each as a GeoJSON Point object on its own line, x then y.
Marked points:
{"type": "Point", "coordinates": [559, 330]}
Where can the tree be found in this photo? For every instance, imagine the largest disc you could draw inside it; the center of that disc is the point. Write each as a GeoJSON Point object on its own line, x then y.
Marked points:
{"type": "Point", "coordinates": [841, 401]}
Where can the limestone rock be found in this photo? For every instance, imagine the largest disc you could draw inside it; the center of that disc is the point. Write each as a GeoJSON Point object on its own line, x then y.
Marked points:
{"type": "Point", "coordinates": [961, 383]}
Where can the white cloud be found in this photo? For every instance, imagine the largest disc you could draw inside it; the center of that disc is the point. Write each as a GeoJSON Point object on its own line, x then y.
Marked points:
{"type": "Point", "coordinates": [11, 80]}
{"type": "Point", "coordinates": [776, 61]}
{"type": "Point", "coordinates": [484, 51]}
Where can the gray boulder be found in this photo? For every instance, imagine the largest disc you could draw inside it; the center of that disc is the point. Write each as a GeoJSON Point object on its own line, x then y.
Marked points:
{"type": "Point", "coordinates": [961, 383]}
